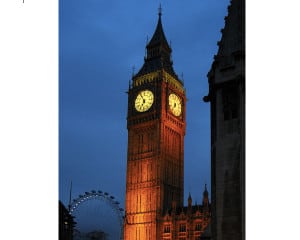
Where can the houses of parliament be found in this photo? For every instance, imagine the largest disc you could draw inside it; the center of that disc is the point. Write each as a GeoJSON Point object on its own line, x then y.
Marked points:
{"type": "Point", "coordinates": [156, 122]}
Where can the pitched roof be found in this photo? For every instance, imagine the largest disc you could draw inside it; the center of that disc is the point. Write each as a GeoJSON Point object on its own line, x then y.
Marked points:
{"type": "Point", "coordinates": [158, 53]}
{"type": "Point", "coordinates": [159, 37]}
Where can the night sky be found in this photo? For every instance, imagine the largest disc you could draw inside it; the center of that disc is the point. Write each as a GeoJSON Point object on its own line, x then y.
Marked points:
{"type": "Point", "coordinates": [101, 43]}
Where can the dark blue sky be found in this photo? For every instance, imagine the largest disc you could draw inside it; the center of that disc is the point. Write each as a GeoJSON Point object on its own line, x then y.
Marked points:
{"type": "Point", "coordinates": [99, 43]}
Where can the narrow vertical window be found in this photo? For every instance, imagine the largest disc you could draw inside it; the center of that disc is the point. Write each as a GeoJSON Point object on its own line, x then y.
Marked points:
{"type": "Point", "coordinates": [167, 229]}
{"type": "Point", "coordinates": [198, 227]}
{"type": "Point", "coordinates": [182, 228]}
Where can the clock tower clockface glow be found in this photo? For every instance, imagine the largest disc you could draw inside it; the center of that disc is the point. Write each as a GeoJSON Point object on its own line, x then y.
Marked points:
{"type": "Point", "coordinates": [155, 153]}
{"type": "Point", "coordinates": [144, 101]}
{"type": "Point", "coordinates": [175, 104]}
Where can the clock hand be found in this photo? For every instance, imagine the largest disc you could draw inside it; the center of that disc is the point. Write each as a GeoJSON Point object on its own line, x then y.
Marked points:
{"type": "Point", "coordinates": [143, 101]}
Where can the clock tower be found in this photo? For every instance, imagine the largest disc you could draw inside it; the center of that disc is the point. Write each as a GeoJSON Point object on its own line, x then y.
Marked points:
{"type": "Point", "coordinates": [156, 128]}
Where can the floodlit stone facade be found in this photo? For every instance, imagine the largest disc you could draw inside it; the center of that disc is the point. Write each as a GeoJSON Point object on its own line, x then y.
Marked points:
{"type": "Point", "coordinates": [156, 124]}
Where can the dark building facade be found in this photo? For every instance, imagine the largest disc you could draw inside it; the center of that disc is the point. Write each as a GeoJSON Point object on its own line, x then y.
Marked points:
{"type": "Point", "coordinates": [155, 157]}
{"type": "Point", "coordinates": [66, 223]}
{"type": "Point", "coordinates": [227, 106]}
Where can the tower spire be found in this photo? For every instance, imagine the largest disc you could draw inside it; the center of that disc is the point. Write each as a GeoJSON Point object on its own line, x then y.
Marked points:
{"type": "Point", "coordinates": [205, 200]}
{"type": "Point", "coordinates": [158, 52]}
{"type": "Point", "coordinates": [190, 200]}
{"type": "Point", "coordinates": [159, 10]}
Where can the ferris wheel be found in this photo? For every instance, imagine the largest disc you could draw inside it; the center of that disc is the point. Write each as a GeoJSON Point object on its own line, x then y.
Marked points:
{"type": "Point", "coordinates": [98, 215]}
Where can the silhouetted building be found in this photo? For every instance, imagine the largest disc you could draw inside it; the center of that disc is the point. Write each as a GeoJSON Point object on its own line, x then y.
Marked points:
{"type": "Point", "coordinates": [66, 223]}
{"type": "Point", "coordinates": [227, 103]}
{"type": "Point", "coordinates": [155, 156]}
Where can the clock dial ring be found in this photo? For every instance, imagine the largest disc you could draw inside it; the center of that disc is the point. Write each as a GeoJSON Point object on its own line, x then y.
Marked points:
{"type": "Point", "coordinates": [144, 100]}
{"type": "Point", "coordinates": [175, 104]}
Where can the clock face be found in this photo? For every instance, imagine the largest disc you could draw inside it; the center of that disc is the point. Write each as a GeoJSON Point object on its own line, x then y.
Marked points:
{"type": "Point", "coordinates": [144, 101]}
{"type": "Point", "coordinates": [175, 104]}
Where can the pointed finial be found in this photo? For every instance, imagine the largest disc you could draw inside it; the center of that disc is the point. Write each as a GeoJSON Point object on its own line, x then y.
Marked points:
{"type": "Point", "coordinates": [205, 192]}
{"type": "Point", "coordinates": [190, 200]}
{"type": "Point", "coordinates": [133, 69]}
{"type": "Point", "coordinates": [159, 10]}
{"type": "Point", "coordinates": [146, 47]}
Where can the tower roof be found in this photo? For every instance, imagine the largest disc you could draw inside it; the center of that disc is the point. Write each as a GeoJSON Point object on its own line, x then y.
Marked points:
{"type": "Point", "coordinates": [159, 38]}
{"type": "Point", "coordinates": [158, 53]}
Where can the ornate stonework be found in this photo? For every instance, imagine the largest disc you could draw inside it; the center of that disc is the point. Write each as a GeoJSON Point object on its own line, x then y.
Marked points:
{"type": "Point", "coordinates": [155, 156]}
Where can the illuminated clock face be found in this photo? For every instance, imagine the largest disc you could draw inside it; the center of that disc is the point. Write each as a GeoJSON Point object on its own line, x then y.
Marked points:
{"type": "Point", "coordinates": [175, 104]}
{"type": "Point", "coordinates": [144, 101]}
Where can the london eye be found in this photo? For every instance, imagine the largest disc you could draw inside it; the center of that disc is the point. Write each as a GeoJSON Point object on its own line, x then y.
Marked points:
{"type": "Point", "coordinates": [98, 215]}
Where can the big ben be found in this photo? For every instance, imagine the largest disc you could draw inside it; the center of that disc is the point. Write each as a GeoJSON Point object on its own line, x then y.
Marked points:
{"type": "Point", "coordinates": [156, 129]}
